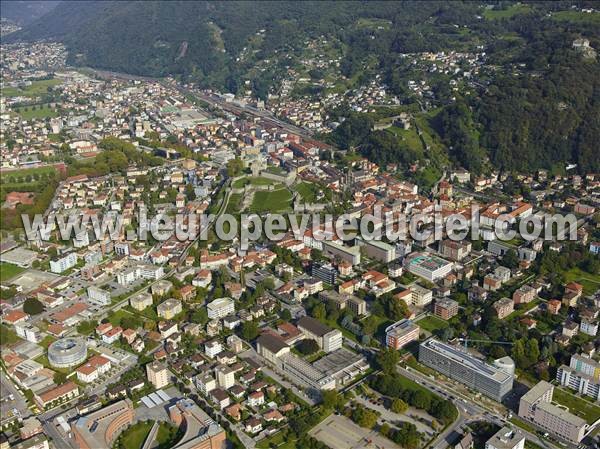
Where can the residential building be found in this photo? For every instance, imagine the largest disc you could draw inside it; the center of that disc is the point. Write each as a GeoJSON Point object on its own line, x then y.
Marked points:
{"type": "Point", "coordinates": [401, 333]}
{"type": "Point", "coordinates": [158, 374]}
{"type": "Point", "coordinates": [140, 301]}
{"type": "Point", "coordinates": [506, 438]}
{"type": "Point", "coordinates": [169, 308]}
{"type": "Point", "coordinates": [445, 308]}
{"type": "Point", "coordinates": [56, 395]}
{"type": "Point", "coordinates": [225, 376]}
{"type": "Point", "coordinates": [220, 308]}
{"type": "Point", "coordinates": [212, 348]}
{"type": "Point", "coordinates": [454, 250]}
{"type": "Point", "coordinates": [63, 263]}
{"type": "Point", "coordinates": [504, 307]}
{"type": "Point", "coordinates": [325, 272]}
{"type": "Point", "coordinates": [98, 296]}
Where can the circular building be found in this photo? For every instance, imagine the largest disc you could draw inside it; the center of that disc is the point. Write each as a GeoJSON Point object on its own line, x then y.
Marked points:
{"type": "Point", "coordinates": [67, 352]}
{"type": "Point", "coordinates": [506, 364]}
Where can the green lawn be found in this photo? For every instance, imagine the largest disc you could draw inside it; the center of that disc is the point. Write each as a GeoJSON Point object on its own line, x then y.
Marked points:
{"type": "Point", "coordinates": [590, 282]}
{"type": "Point", "coordinates": [235, 201]}
{"type": "Point", "coordinates": [166, 435]}
{"type": "Point", "coordinates": [507, 13]}
{"type": "Point", "coordinates": [116, 317]}
{"type": "Point", "coordinates": [409, 137]}
{"type": "Point", "coordinates": [577, 405]}
{"type": "Point", "coordinates": [432, 323]}
{"type": "Point", "coordinates": [522, 424]}
{"type": "Point", "coordinates": [577, 16]}
{"type": "Point", "coordinates": [8, 271]}
{"type": "Point", "coordinates": [47, 341]}
{"type": "Point", "coordinates": [255, 181]}
{"type": "Point", "coordinates": [7, 335]}
{"type": "Point", "coordinates": [308, 191]}
{"type": "Point", "coordinates": [134, 436]}
{"type": "Point", "coordinates": [271, 201]}
{"type": "Point", "coordinates": [36, 112]}
{"type": "Point", "coordinates": [20, 176]}
{"type": "Point", "coordinates": [36, 88]}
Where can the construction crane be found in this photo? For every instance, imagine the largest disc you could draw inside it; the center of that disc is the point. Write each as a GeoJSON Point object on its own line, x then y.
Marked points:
{"type": "Point", "coordinates": [467, 340]}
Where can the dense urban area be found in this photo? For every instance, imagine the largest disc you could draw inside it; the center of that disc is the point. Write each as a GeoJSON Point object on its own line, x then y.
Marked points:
{"type": "Point", "coordinates": [311, 341]}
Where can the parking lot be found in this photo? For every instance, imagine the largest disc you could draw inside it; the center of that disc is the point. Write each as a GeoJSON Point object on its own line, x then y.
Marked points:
{"type": "Point", "coordinates": [339, 432]}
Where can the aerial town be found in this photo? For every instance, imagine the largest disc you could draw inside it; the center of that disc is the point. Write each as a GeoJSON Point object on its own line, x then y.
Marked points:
{"type": "Point", "coordinates": [308, 341]}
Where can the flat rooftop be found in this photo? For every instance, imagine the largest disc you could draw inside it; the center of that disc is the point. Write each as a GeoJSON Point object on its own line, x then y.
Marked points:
{"type": "Point", "coordinates": [469, 361]}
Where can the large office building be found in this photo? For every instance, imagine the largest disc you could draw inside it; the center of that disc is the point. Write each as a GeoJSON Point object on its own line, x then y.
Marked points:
{"type": "Point", "coordinates": [328, 339]}
{"type": "Point", "coordinates": [428, 266]}
{"type": "Point", "coordinates": [67, 352]}
{"type": "Point", "coordinates": [459, 365]}
{"type": "Point", "coordinates": [536, 407]}
{"type": "Point", "coordinates": [378, 250]}
{"type": "Point", "coordinates": [350, 254]}
{"type": "Point", "coordinates": [401, 333]}
{"type": "Point", "coordinates": [99, 429]}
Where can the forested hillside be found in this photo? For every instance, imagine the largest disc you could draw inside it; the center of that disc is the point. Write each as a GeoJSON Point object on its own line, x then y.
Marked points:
{"type": "Point", "coordinates": [536, 104]}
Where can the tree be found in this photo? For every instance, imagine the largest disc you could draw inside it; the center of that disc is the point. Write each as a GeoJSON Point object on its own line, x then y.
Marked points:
{"type": "Point", "coordinates": [234, 167]}
{"type": "Point", "coordinates": [249, 330]}
{"type": "Point", "coordinates": [332, 399]}
{"type": "Point", "coordinates": [200, 316]}
{"type": "Point", "coordinates": [307, 346]}
{"type": "Point", "coordinates": [285, 315]}
{"type": "Point", "coordinates": [32, 306]}
{"type": "Point", "coordinates": [319, 311]}
{"type": "Point", "coordinates": [364, 417]}
{"type": "Point", "coordinates": [59, 378]}
{"type": "Point", "coordinates": [387, 359]}
{"type": "Point", "coordinates": [511, 259]}
{"type": "Point", "coordinates": [399, 406]}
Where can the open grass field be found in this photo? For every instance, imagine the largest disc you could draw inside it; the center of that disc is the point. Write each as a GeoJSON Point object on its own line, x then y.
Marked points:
{"type": "Point", "coordinates": [35, 89]}
{"type": "Point", "coordinates": [590, 282]}
{"type": "Point", "coordinates": [235, 201]}
{"type": "Point", "coordinates": [8, 271]}
{"type": "Point", "coordinates": [432, 323]}
{"type": "Point", "coordinates": [115, 318]}
{"type": "Point", "coordinates": [21, 176]}
{"type": "Point", "coordinates": [492, 14]}
{"type": "Point", "coordinates": [134, 436]}
{"type": "Point", "coordinates": [271, 201]}
{"type": "Point", "coordinates": [577, 16]}
{"type": "Point", "coordinates": [308, 191]}
{"type": "Point", "coordinates": [577, 405]}
{"type": "Point", "coordinates": [255, 181]}
{"type": "Point", "coordinates": [36, 112]}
